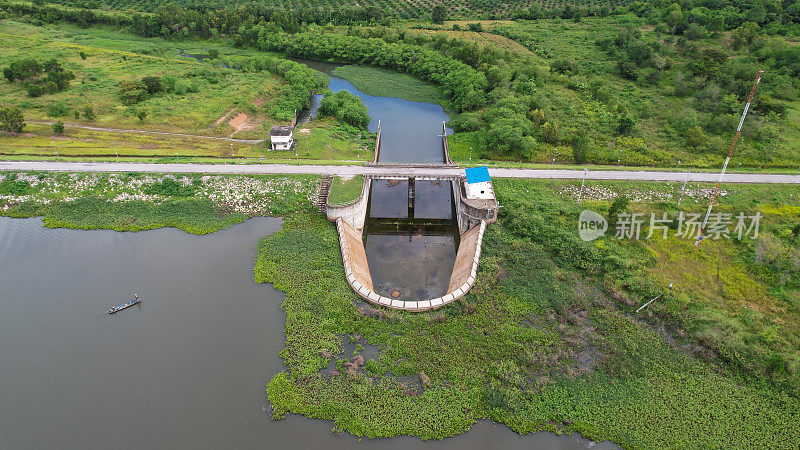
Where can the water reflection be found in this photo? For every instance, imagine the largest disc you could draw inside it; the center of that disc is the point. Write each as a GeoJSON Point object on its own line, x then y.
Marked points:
{"type": "Point", "coordinates": [433, 199]}
{"type": "Point", "coordinates": [410, 262]}
{"type": "Point", "coordinates": [388, 199]}
{"type": "Point", "coordinates": [411, 242]}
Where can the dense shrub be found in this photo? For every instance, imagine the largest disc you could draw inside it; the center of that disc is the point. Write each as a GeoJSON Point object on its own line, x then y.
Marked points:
{"type": "Point", "coordinates": [22, 69]}
{"type": "Point", "coordinates": [12, 186]}
{"type": "Point", "coordinates": [11, 119]}
{"type": "Point", "coordinates": [58, 127]}
{"type": "Point", "coordinates": [170, 188]}
{"type": "Point", "coordinates": [57, 109]}
{"type": "Point", "coordinates": [131, 92]}
{"type": "Point", "coordinates": [345, 107]}
{"type": "Point", "coordinates": [56, 78]}
{"type": "Point", "coordinates": [88, 112]}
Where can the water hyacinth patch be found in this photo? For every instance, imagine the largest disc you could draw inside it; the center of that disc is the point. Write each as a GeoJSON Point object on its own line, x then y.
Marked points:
{"type": "Point", "coordinates": [40, 194]}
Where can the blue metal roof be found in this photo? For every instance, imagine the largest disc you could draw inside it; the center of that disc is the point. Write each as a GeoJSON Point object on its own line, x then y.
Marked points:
{"type": "Point", "coordinates": [477, 174]}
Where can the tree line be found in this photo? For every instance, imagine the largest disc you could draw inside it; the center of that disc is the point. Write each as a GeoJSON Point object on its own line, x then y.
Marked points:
{"type": "Point", "coordinates": [39, 78]}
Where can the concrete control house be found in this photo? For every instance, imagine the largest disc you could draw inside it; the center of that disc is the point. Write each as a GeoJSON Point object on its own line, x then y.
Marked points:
{"type": "Point", "coordinates": [479, 185]}
{"type": "Point", "coordinates": [280, 137]}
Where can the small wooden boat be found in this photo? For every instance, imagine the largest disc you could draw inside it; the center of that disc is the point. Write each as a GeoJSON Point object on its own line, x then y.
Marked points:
{"type": "Point", "coordinates": [119, 308]}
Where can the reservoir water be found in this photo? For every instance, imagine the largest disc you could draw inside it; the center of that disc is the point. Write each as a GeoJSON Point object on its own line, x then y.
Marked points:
{"type": "Point", "coordinates": [185, 369]}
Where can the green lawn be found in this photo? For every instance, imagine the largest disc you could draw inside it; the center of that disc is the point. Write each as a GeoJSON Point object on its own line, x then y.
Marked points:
{"type": "Point", "coordinates": [345, 190]}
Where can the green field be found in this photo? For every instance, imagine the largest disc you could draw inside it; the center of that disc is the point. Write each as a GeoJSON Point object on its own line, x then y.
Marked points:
{"type": "Point", "coordinates": [113, 56]}
{"type": "Point", "coordinates": [107, 64]}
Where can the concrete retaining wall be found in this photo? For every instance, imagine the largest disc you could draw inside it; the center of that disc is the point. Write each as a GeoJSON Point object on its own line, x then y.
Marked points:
{"type": "Point", "coordinates": [354, 212]}
{"type": "Point", "coordinates": [357, 270]}
{"type": "Point", "coordinates": [466, 259]}
{"type": "Point", "coordinates": [377, 145]}
{"type": "Point", "coordinates": [445, 145]}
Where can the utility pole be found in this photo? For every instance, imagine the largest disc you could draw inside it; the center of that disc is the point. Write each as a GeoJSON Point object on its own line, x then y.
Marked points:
{"type": "Point", "coordinates": [651, 301]}
{"type": "Point", "coordinates": [684, 187]}
{"type": "Point", "coordinates": [700, 236]}
{"type": "Point", "coordinates": [580, 194]}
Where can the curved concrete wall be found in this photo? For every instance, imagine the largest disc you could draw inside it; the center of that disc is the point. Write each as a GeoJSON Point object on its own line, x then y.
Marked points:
{"type": "Point", "coordinates": [471, 212]}
{"type": "Point", "coordinates": [354, 212]}
{"type": "Point", "coordinates": [356, 269]}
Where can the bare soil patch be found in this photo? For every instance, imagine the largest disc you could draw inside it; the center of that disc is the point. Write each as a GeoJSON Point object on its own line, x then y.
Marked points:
{"type": "Point", "coordinates": [223, 118]}
{"type": "Point", "coordinates": [241, 122]}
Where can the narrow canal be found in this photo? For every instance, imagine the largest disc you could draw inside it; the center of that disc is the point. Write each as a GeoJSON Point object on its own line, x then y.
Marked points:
{"type": "Point", "coordinates": [185, 369]}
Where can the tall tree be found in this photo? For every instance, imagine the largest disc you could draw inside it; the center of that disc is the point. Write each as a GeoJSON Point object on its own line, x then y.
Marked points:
{"type": "Point", "coordinates": [438, 14]}
{"type": "Point", "coordinates": [11, 120]}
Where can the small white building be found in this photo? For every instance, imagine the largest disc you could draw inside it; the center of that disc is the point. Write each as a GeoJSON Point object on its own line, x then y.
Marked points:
{"type": "Point", "coordinates": [479, 184]}
{"type": "Point", "coordinates": [280, 138]}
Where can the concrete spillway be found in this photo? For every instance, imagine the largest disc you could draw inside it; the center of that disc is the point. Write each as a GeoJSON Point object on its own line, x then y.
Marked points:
{"type": "Point", "coordinates": [471, 218]}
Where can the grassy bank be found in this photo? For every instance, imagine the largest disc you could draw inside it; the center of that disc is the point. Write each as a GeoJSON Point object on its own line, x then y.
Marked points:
{"type": "Point", "coordinates": [345, 190]}
{"type": "Point", "coordinates": [388, 83]}
{"type": "Point", "coordinates": [209, 99]}
{"type": "Point", "coordinates": [135, 202]}
{"type": "Point", "coordinates": [548, 338]}
{"type": "Point", "coordinates": [203, 93]}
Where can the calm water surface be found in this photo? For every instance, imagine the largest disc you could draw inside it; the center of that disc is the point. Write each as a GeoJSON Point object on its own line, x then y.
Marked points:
{"type": "Point", "coordinates": [411, 130]}
{"type": "Point", "coordinates": [186, 368]}
{"type": "Point", "coordinates": [411, 251]}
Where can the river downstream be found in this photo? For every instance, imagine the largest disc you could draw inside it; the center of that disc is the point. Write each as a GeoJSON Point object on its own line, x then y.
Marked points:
{"type": "Point", "coordinates": [186, 368]}
{"type": "Point", "coordinates": [411, 131]}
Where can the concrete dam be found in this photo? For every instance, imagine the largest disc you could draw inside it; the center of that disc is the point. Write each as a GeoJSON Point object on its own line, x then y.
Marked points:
{"type": "Point", "coordinates": [414, 243]}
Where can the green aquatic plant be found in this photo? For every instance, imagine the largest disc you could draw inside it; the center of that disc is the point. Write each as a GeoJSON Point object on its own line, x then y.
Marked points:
{"type": "Point", "coordinates": [537, 347]}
